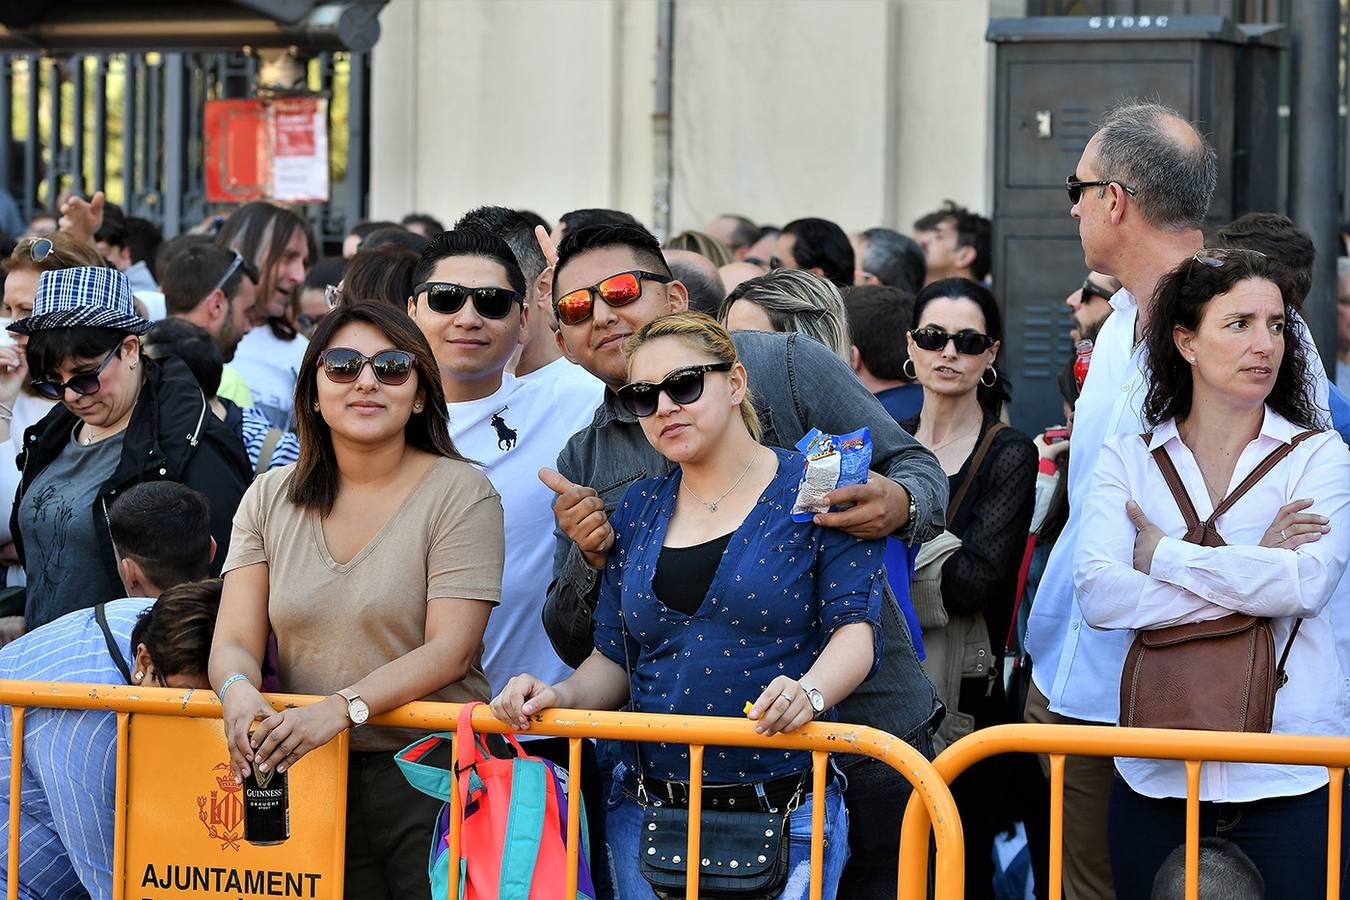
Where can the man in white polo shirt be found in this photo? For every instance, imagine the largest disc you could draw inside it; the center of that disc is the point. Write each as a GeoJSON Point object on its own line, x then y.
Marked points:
{"type": "Point", "coordinates": [468, 299]}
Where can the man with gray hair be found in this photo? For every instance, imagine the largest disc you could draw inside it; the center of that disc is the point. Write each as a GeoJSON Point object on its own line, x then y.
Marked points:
{"type": "Point", "coordinates": [1140, 193]}
{"type": "Point", "coordinates": [889, 258]}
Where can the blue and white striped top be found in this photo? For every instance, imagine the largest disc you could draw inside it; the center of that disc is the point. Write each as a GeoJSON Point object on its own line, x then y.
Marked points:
{"type": "Point", "coordinates": [69, 758]}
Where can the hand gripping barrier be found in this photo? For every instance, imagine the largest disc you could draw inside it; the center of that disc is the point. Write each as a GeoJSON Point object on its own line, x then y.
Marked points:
{"type": "Point", "coordinates": [1192, 747]}
{"type": "Point", "coordinates": [931, 796]}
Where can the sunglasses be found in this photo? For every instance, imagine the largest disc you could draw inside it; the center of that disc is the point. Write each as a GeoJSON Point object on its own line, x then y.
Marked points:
{"type": "Point", "coordinates": [42, 248]}
{"type": "Point", "coordinates": [1075, 187]}
{"type": "Point", "coordinates": [683, 386]}
{"type": "Point", "coordinates": [1216, 257]}
{"type": "Point", "coordinates": [343, 365]}
{"type": "Point", "coordinates": [1092, 289]}
{"type": "Point", "coordinates": [448, 298]}
{"type": "Point", "coordinates": [84, 384]}
{"type": "Point", "coordinates": [968, 343]}
{"type": "Point", "coordinates": [616, 290]}
{"type": "Point", "coordinates": [233, 267]}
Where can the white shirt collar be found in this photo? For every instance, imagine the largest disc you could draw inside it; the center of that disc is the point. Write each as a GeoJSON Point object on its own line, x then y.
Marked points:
{"type": "Point", "coordinates": [1273, 426]}
{"type": "Point", "coordinates": [1123, 301]}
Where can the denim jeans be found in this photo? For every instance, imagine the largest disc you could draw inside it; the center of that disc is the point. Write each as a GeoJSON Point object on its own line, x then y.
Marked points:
{"type": "Point", "coordinates": [624, 825]}
{"type": "Point", "coordinates": [1284, 836]}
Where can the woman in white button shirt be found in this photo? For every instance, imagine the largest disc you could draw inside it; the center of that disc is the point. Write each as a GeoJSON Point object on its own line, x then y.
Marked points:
{"type": "Point", "coordinates": [1229, 384]}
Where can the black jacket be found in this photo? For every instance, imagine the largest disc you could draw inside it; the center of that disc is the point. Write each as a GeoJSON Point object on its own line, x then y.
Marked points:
{"type": "Point", "coordinates": [172, 436]}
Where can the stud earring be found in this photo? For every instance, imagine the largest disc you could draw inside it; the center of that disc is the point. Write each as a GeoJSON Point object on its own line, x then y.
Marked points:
{"type": "Point", "coordinates": [417, 407]}
{"type": "Point", "coordinates": [316, 407]}
{"type": "Point", "coordinates": [139, 675]}
{"type": "Point", "coordinates": [132, 365]}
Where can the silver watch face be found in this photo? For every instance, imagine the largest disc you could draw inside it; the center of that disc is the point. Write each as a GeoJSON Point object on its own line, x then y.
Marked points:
{"type": "Point", "coordinates": [817, 700]}
{"type": "Point", "coordinates": [357, 711]}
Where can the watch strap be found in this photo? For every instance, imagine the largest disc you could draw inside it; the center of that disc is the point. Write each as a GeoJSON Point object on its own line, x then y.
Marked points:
{"type": "Point", "coordinates": [348, 694]}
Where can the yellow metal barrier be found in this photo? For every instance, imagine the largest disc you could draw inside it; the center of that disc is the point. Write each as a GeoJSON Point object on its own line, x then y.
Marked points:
{"type": "Point", "coordinates": [1192, 747]}
{"type": "Point", "coordinates": [931, 794]}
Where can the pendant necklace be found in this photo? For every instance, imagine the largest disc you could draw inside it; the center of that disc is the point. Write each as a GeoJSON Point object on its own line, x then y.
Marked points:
{"type": "Point", "coordinates": [712, 507]}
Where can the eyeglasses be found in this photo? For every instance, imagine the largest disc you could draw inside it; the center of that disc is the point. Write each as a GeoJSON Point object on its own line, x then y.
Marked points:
{"type": "Point", "coordinates": [1093, 289]}
{"type": "Point", "coordinates": [683, 386]}
{"type": "Point", "coordinates": [229, 272]}
{"type": "Point", "coordinates": [771, 263]}
{"type": "Point", "coordinates": [1216, 257]}
{"type": "Point", "coordinates": [448, 298]}
{"type": "Point", "coordinates": [969, 343]}
{"type": "Point", "coordinates": [616, 290]}
{"type": "Point", "coordinates": [343, 365]}
{"type": "Point", "coordinates": [42, 248]}
{"type": "Point", "coordinates": [332, 295]}
{"type": "Point", "coordinates": [84, 384]}
{"type": "Point", "coordinates": [1075, 187]}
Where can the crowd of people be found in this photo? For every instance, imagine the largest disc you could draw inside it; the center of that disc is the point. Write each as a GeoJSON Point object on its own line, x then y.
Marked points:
{"type": "Point", "coordinates": [555, 465]}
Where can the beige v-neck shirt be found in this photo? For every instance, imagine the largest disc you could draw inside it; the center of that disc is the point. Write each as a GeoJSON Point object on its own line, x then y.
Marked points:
{"type": "Point", "coordinates": [337, 623]}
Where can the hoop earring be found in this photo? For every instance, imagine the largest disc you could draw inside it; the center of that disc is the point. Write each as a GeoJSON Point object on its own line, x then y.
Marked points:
{"type": "Point", "coordinates": [991, 371]}
{"type": "Point", "coordinates": [909, 371]}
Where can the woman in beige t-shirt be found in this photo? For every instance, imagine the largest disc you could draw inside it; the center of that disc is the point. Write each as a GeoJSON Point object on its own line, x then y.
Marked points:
{"type": "Point", "coordinates": [375, 560]}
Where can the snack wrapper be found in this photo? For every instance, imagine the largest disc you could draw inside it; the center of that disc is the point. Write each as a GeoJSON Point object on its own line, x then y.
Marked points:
{"type": "Point", "coordinates": [832, 461]}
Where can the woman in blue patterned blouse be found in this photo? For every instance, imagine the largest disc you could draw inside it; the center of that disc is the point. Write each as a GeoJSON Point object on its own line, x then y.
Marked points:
{"type": "Point", "coordinates": [712, 596]}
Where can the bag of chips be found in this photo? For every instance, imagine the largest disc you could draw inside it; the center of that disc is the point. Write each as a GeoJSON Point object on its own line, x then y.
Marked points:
{"type": "Point", "coordinates": [832, 461]}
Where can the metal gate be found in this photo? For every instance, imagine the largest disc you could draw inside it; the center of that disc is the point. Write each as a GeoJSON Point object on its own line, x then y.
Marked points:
{"type": "Point", "coordinates": [131, 124]}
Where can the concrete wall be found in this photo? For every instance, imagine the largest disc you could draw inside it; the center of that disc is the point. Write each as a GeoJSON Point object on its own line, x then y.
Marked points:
{"type": "Point", "coordinates": [865, 111]}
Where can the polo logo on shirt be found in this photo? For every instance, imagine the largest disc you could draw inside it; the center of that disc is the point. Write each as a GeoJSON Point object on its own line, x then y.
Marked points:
{"type": "Point", "coordinates": [222, 810]}
{"type": "Point", "coordinates": [506, 435]}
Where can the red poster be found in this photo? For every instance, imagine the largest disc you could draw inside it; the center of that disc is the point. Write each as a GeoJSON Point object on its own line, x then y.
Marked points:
{"type": "Point", "coordinates": [237, 158]}
{"type": "Point", "coordinates": [267, 149]}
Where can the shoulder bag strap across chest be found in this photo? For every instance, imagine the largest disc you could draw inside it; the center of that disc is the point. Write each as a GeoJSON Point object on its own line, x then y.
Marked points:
{"type": "Point", "coordinates": [975, 461]}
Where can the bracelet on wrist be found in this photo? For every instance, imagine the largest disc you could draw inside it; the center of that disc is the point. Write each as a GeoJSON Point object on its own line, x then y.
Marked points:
{"type": "Point", "coordinates": [231, 682]}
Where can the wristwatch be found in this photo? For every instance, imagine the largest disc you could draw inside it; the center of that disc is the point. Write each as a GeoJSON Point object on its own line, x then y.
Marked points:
{"type": "Point", "coordinates": [357, 710]}
{"type": "Point", "coordinates": [816, 697]}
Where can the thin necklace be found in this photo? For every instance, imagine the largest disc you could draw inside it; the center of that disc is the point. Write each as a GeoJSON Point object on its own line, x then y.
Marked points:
{"type": "Point", "coordinates": [712, 507]}
{"type": "Point", "coordinates": [936, 447]}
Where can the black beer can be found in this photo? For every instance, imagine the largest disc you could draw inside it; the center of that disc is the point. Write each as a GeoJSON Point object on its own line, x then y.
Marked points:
{"type": "Point", "coordinates": [267, 808]}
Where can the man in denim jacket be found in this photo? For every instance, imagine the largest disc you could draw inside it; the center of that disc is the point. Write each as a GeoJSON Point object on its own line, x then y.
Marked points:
{"type": "Point", "coordinates": [796, 384]}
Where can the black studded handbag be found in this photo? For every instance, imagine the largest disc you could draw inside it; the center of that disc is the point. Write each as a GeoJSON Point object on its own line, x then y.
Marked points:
{"type": "Point", "coordinates": [744, 854]}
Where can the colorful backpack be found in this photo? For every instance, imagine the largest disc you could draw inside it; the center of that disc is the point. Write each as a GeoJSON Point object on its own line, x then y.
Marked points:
{"type": "Point", "coordinates": [513, 826]}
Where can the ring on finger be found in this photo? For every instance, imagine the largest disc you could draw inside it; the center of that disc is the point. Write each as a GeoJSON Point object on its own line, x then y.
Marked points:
{"type": "Point", "coordinates": [785, 696]}
{"type": "Point", "coordinates": [1283, 536]}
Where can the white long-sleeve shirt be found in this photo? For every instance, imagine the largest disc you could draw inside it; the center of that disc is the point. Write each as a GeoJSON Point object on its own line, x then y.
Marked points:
{"type": "Point", "coordinates": [1190, 583]}
{"type": "Point", "coordinates": [1077, 667]}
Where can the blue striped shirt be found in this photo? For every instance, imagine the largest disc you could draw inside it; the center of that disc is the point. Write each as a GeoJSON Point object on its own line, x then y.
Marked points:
{"type": "Point", "coordinates": [69, 758]}
{"type": "Point", "coordinates": [253, 432]}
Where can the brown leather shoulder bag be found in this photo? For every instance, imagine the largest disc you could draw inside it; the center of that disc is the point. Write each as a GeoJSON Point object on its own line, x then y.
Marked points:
{"type": "Point", "coordinates": [1218, 675]}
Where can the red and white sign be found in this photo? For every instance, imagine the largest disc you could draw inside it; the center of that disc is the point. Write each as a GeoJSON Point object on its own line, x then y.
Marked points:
{"type": "Point", "coordinates": [273, 149]}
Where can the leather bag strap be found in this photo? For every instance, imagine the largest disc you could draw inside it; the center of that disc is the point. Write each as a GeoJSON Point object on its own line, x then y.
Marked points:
{"type": "Point", "coordinates": [1262, 469]}
{"type": "Point", "coordinates": [1173, 479]}
{"type": "Point", "coordinates": [980, 453]}
{"type": "Point", "coordinates": [101, 616]}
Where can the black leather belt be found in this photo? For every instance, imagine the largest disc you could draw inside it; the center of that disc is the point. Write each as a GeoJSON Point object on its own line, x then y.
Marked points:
{"type": "Point", "coordinates": [777, 794]}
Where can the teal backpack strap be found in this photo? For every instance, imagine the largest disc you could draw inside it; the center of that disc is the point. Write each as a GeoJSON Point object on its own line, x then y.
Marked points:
{"type": "Point", "coordinates": [524, 828]}
{"type": "Point", "coordinates": [433, 781]}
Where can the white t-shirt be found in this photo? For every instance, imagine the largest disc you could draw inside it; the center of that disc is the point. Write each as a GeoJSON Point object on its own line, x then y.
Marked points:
{"type": "Point", "coordinates": [28, 410]}
{"type": "Point", "coordinates": [270, 367]}
{"type": "Point", "coordinates": [518, 430]}
{"type": "Point", "coordinates": [569, 373]}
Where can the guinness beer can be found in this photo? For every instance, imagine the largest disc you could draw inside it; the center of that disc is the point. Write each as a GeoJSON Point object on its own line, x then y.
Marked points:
{"type": "Point", "coordinates": [267, 808]}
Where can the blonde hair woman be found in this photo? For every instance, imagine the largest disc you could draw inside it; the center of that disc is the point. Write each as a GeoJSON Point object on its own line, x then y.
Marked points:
{"type": "Point", "coordinates": [791, 300]}
{"type": "Point", "coordinates": [712, 596]}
